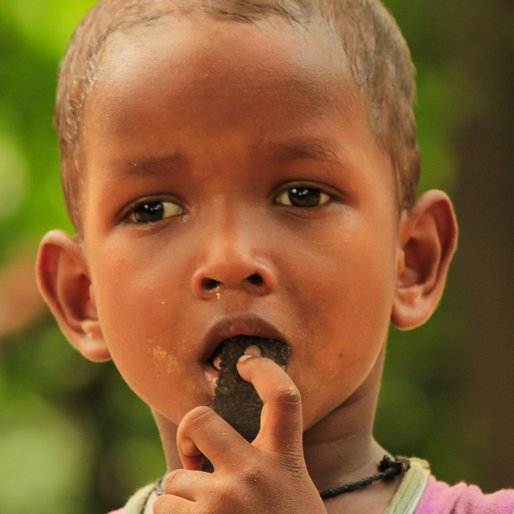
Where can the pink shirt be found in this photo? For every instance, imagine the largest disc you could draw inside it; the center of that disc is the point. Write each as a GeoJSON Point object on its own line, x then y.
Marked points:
{"type": "Point", "coordinates": [440, 498]}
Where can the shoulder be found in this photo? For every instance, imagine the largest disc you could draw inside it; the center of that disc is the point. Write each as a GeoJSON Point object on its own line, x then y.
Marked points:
{"type": "Point", "coordinates": [441, 498]}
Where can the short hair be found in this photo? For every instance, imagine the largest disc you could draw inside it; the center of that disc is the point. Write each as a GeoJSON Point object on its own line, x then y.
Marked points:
{"type": "Point", "coordinates": [378, 57]}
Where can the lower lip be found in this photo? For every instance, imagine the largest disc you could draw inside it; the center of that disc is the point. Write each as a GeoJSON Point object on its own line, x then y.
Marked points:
{"type": "Point", "coordinates": [212, 377]}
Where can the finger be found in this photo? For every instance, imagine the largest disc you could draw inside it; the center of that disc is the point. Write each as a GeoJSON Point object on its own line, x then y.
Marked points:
{"type": "Point", "coordinates": [168, 504]}
{"type": "Point", "coordinates": [188, 485]}
{"type": "Point", "coordinates": [190, 455]}
{"type": "Point", "coordinates": [203, 432]}
{"type": "Point", "coordinates": [281, 418]}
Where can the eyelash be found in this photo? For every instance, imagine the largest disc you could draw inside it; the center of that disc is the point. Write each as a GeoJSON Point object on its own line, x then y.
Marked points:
{"type": "Point", "coordinates": [310, 196]}
{"type": "Point", "coordinates": [292, 197]}
{"type": "Point", "coordinates": [164, 209]}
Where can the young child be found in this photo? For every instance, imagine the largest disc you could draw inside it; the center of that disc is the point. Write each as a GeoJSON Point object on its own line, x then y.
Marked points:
{"type": "Point", "coordinates": [249, 168]}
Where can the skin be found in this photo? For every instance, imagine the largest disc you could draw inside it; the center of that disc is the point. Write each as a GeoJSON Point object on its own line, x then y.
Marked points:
{"type": "Point", "coordinates": [217, 122]}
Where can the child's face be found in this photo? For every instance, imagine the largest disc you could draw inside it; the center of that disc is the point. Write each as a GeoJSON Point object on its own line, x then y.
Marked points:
{"type": "Point", "coordinates": [233, 186]}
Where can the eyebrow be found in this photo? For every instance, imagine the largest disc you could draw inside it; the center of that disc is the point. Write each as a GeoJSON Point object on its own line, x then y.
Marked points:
{"type": "Point", "coordinates": [300, 148]}
{"type": "Point", "coordinates": [318, 149]}
{"type": "Point", "coordinates": [150, 165]}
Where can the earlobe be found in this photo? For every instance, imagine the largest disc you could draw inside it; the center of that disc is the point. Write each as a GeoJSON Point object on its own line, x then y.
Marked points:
{"type": "Point", "coordinates": [64, 282]}
{"type": "Point", "coordinates": [427, 242]}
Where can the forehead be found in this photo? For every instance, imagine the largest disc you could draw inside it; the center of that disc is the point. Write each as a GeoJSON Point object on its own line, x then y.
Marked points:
{"type": "Point", "coordinates": [179, 63]}
{"type": "Point", "coordinates": [194, 42]}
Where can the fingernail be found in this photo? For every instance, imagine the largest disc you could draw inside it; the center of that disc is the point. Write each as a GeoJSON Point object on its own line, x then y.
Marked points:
{"type": "Point", "coordinates": [251, 351]}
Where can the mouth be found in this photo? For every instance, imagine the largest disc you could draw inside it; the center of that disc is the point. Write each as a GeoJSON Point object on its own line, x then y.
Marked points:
{"type": "Point", "coordinates": [215, 359]}
{"type": "Point", "coordinates": [229, 350]}
{"type": "Point", "coordinates": [249, 330]}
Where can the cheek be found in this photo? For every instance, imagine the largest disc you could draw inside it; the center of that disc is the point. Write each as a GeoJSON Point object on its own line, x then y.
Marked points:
{"type": "Point", "coordinates": [138, 315]}
{"type": "Point", "coordinates": [137, 289]}
{"type": "Point", "coordinates": [345, 289]}
{"type": "Point", "coordinates": [346, 309]}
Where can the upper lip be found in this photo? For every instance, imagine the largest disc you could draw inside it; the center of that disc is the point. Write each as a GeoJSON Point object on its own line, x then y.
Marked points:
{"type": "Point", "coordinates": [236, 325]}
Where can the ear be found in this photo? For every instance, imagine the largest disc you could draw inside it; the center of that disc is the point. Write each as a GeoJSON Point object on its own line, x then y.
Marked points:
{"type": "Point", "coordinates": [64, 282]}
{"type": "Point", "coordinates": [427, 242]}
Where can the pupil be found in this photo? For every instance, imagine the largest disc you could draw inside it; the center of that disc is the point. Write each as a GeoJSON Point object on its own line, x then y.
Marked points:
{"type": "Point", "coordinates": [304, 197]}
{"type": "Point", "coordinates": [149, 212]}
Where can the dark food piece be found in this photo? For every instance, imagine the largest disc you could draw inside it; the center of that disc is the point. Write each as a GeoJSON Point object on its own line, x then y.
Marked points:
{"type": "Point", "coordinates": [236, 400]}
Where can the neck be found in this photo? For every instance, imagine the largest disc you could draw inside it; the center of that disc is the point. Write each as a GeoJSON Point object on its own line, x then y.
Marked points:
{"type": "Point", "coordinates": [168, 434]}
{"type": "Point", "coordinates": [341, 448]}
{"type": "Point", "coordinates": [334, 463]}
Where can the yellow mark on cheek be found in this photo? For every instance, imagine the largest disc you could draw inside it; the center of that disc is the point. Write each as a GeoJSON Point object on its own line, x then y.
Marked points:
{"type": "Point", "coordinates": [164, 359]}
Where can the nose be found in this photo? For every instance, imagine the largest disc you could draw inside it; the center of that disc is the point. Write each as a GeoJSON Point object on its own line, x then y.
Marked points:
{"type": "Point", "coordinates": [232, 263]}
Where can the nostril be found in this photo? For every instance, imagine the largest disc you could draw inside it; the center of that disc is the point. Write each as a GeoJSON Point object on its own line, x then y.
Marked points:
{"type": "Point", "coordinates": [208, 284]}
{"type": "Point", "coordinates": [255, 279]}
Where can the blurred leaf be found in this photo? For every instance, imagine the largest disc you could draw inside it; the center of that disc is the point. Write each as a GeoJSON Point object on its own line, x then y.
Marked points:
{"type": "Point", "coordinates": [44, 457]}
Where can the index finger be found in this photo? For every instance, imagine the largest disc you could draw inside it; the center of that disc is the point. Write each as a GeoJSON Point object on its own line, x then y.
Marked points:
{"type": "Point", "coordinates": [281, 418]}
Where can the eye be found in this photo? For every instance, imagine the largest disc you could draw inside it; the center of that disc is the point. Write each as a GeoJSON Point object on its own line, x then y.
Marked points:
{"type": "Point", "coordinates": [301, 196]}
{"type": "Point", "coordinates": [152, 211]}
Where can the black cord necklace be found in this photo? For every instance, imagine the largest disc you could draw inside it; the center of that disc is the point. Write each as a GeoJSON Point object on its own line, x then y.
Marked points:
{"type": "Point", "coordinates": [387, 468]}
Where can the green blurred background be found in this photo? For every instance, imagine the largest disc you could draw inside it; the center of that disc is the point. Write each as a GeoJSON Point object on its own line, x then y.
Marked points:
{"type": "Point", "coordinates": [74, 439]}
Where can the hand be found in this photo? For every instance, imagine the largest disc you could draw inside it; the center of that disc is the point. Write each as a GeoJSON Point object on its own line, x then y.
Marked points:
{"type": "Point", "coordinates": [269, 475]}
